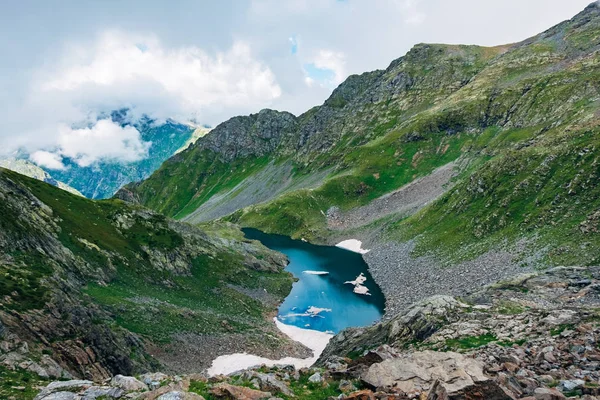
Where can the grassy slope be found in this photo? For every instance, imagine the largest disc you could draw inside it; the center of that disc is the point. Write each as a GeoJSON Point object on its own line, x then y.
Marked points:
{"type": "Point", "coordinates": [193, 177]}
{"type": "Point", "coordinates": [531, 132]}
{"type": "Point", "coordinates": [120, 275]}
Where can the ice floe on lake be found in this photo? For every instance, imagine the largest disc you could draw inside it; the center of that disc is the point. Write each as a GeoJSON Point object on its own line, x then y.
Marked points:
{"type": "Point", "coordinates": [359, 288]}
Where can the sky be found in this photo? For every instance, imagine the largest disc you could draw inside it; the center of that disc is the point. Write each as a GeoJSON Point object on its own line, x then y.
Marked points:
{"type": "Point", "coordinates": [67, 63]}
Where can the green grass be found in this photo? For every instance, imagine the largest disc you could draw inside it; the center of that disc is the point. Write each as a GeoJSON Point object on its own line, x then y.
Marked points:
{"type": "Point", "coordinates": [302, 388]}
{"type": "Point", "coordinates": [549, 190]}
{"type": "Point", "coordinates": [193, 177]}
{"type": "Point", "coordinates": [560, 329]}
{"type": "Point", "coordinates": [380, 168]}
{"type": "Point", "coordinates": [19, 384]}
{"type": "Point", "coordinates": [193, 289]}
{"type": "Point", "coordinates": [22, 281]}
{"type": "Point", "coordinates": [508, 307]}
{"type": "Point", "coordinates": [198, 303]}
{"type": "Point", "coordinates": [202, 388]}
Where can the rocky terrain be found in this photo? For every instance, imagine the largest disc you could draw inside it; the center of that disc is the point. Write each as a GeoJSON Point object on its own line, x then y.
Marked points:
{"type": "Point", "coordinates": [470, 173]}
{"type": "Point", "coordinates": [535, 336]}
{"type": "Point", "coordinates": [95, 288]}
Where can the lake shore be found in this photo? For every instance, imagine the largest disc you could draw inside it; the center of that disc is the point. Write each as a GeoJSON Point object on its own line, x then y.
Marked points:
{"type": "Point", "coordinates": [314, 340]}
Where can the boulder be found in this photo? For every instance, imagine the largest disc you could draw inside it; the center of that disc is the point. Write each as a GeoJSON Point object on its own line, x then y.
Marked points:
{"type": "Point", "coordinates": [64, 386]}
{"type": "Point", "coordinates": [180, 386]}
{"type": "Point", "coordinates": [62, 396]}
{"type": "Point", "coordinates": [104, 392]}
{"type": "Point", "coordinates": [361, 395]}
{"type": "Point", "coordinates": [548, 394]}
{"type": "Point", "coordinates": [315, 378]}
{"type": "Point", "coordinates": [486, 390]}
{"type": "Point", "coordinates": [180, 396]}
{"type": "Point", "coordinates": [128, 383]}
{"type": "Point", "coordinates": [154, 379]}
{"type": "Point", "coordinates": [573, 384]}
{"type": "Point", "coordinates": [231, 392]}
{"type": "Point", "coordinates": [346, 386]}
{"type": "Point", "coordinates": [268, 382]}
{"type": "Point", "coordinates": [418, 372]}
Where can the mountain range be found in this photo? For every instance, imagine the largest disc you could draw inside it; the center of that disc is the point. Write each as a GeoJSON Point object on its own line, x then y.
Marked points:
{"type": "Point", "coordinates": [102, 178]}
{"type": "Point", "coordinates": [517, 125]}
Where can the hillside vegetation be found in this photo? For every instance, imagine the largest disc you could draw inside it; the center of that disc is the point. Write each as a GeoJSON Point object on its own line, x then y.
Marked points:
{"type": "Point", "coordinates": [95, 288]}
{"type": "Point", "coordinates": [521, 122]}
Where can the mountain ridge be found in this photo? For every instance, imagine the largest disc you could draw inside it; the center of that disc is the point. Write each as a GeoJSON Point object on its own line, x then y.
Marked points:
{"type": "Point", "coordinates": [378, 131]}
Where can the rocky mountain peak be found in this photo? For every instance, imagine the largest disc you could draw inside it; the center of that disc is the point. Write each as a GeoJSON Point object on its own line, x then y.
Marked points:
{"type": "Point", "coordinates": [254, 134]}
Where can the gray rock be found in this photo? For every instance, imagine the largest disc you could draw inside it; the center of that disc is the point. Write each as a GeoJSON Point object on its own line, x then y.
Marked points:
{"type": "Point", "coordinates": [488, 390]}
{"type": "Point", "coordinates": [267, 382]}
{"type": "Point", "coordinates": [420, 370]}
{"type": "Point", "coordinates": [106, 392]}
{"type": "Point", "coordinates": [176, 395]}
{"type": "Point", "coordinates": [62, 396]}
{"type": "Point", "coordinates": [128, 383]}
{"type": "Point", "coordinates": [346, 386]}
{"type": "Point", "coordinates": [64, 386]}
{"type": "Point", "coordinates": [315, 378]}
{"type": "Point", "coordinates": [569, 385]}
{"type": "Point", "coordinates": [548, 394]}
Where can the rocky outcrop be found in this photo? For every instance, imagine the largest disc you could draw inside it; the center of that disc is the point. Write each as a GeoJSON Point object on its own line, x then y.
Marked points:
{"type": "Point", "coordinates": [253, 135]}
{"type": "Point", "coordinates": [55, 246]}
{"type": "Point", "coordinates": [522, 336]}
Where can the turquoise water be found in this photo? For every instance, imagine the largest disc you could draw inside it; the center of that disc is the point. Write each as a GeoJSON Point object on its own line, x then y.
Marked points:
{"type": "Point", "coordinates": [324, 291]}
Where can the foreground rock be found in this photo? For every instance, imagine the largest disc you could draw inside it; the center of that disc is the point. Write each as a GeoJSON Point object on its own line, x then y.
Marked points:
{"type": "Point", "coordinates": [534, 337]}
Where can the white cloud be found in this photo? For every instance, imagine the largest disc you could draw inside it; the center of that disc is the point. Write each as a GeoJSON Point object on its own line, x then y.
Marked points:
{"type": "Point", "coordinates": [334, 61]}
{"type": "Point", "coordinates": [105, 140]}
{"type": "Point", "coordinates": [138, 72]}
{"type": "Point", "coordinates": [326, 67]}
{"type": "Point", "coordinates": [188, 76]}
{"type": "Point", "coordinates": [47, 159]}
{"type": "Point", "coordinates": [224, 58]}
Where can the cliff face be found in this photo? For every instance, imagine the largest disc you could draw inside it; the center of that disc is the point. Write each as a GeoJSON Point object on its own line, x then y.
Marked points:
{"type": "Point", "coordinates": [92, 288]}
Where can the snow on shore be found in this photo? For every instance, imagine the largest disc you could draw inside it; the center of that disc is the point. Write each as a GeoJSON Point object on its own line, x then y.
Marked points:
{"type": "Point", "coordinates": [352, 245]}
{"type": "Point", "coordinates": [314, 340]}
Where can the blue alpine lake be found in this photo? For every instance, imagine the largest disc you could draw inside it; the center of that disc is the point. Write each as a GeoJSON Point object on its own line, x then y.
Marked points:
{"type": "Point", "coordinates": [321, 299]}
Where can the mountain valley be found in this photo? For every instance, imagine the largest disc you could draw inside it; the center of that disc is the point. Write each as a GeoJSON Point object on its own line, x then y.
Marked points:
{"type": "Point", "coordinates": [467, 177]}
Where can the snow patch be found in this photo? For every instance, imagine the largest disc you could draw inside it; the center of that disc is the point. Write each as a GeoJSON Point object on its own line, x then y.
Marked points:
{"type": "Point", "coordinates": [314, 340]}
{"type": "Point", "coordinates": [359, 288]}
{"type": "Point", "coordinates": [312, 311]}
{"type": "Point", "coordinates": [352, 245]}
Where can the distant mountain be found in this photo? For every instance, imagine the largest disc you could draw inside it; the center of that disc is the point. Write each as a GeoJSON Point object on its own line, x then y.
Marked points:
{"type": "Point", "coordinates": [102, 179]}
{"type": "Point", "coordinates": [31, 170]}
